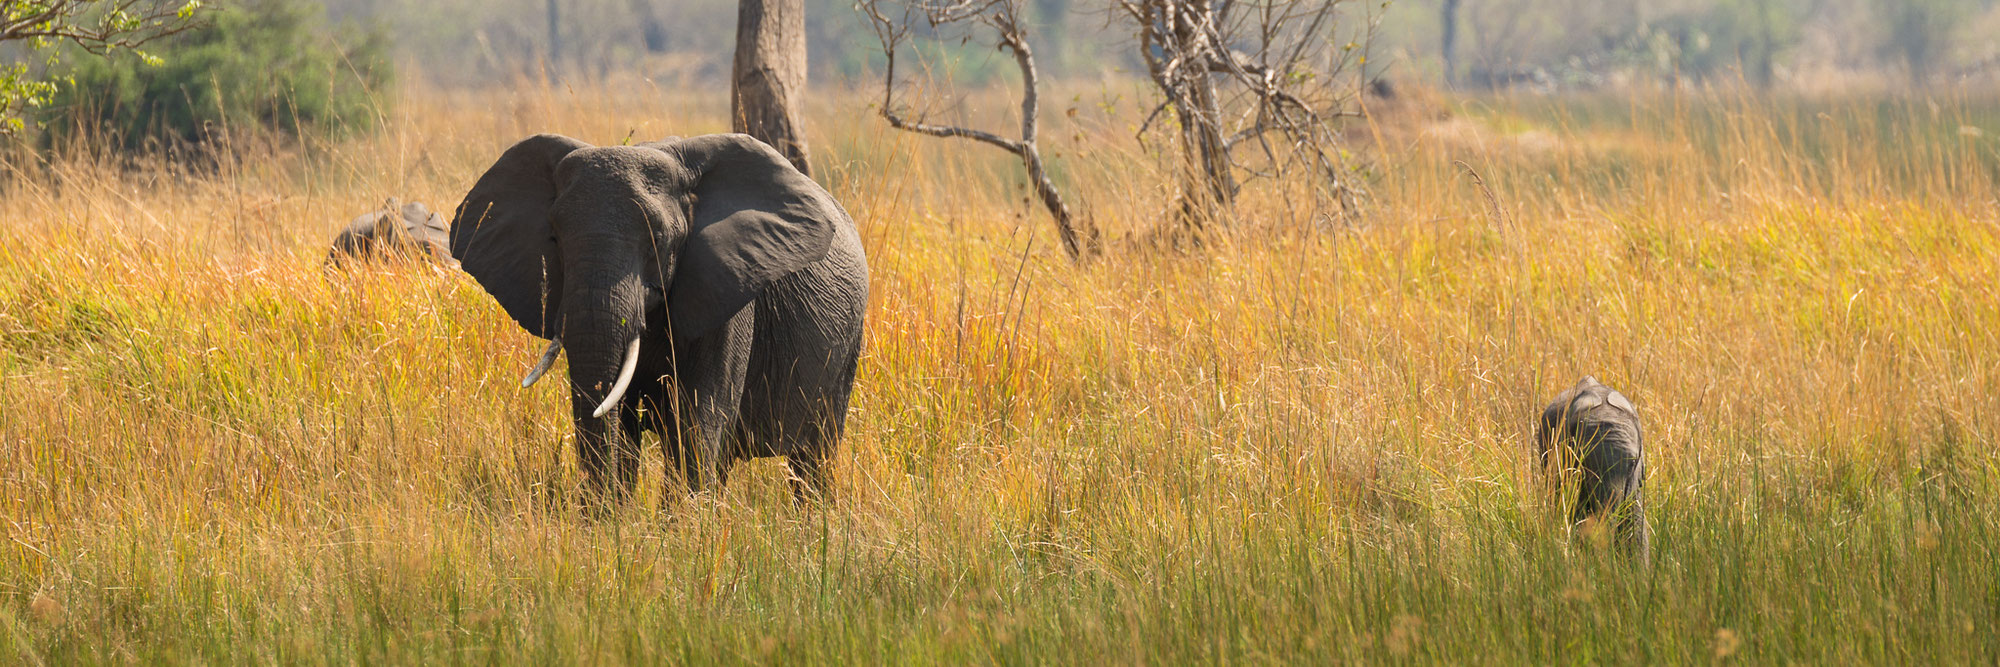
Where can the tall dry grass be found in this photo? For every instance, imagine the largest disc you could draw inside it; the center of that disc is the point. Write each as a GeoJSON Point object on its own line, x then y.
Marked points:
{"type": "Point", "coordinates": [1299, 443]}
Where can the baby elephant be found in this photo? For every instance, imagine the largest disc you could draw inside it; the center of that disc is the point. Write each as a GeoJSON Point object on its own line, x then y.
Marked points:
{"type": "Point", "coordinates": [395, 231]}
{"type": "Point", "coordinates": [1597, 428]}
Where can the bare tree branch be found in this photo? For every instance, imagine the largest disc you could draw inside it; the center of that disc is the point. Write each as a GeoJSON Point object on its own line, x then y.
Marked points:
{"type": "Point", "coordinates": [1252, 61]}
{"type": "Point", "coordinates": [1003, 18]}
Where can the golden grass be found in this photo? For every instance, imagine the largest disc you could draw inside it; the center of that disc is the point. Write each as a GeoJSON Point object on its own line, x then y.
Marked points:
{"type": "Point", "coordinates": [1296, 444]}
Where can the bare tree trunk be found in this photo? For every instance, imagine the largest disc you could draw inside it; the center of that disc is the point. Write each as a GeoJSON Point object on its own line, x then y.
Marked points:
{"type": "Point", "coordinates": [770, 75]}
{"type": "Point", "coordinates": [555, 35]}
{"type": "Point", "coordinates": [1210, 184]}
{"type": "Point", "coordinates": [1448, 24]}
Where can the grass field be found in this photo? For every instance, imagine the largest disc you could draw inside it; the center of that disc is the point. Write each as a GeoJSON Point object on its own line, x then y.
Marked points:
{"type": "Point", "coordinates": [1303, 443]}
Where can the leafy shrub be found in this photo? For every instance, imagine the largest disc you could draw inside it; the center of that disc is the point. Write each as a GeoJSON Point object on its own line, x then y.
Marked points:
{"type": "Point", "coordinates": [264, 65]}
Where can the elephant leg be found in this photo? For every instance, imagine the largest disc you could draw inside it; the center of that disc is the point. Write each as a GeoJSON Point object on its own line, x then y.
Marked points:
{"type": "Point", "coordinates": [703, 460]}
{"type": "Point", "coordinates": [804, 428]}
{"type": "Point", "coordinates": [701, 467]}
{"type": "Point", "coordinates": [1636, 532]}
{"type": "Point", "coordinates": [707, 395]}
{"type": "Point", "coordinates": [692, 464]}
{"type": "Point", "coordinates": [795, 405]}
{"type": "Point", "coordinates": [1633, 528]}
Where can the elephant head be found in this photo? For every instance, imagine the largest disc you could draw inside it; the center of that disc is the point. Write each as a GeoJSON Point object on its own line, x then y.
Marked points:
{"type": "Point", "coordinates": [398, 230]}
{"type": "Point", "coordinates": [1591, 421]}
{"type": "Point", "coordinates": [579, 244]}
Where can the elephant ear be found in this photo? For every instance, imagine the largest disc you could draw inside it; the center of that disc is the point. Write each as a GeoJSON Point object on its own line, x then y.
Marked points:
{"type": "Point", "coordinates": [501, 233]}
{"type": "Point", "coordinates": [1619, 401]}
{"type": "Point", "coordinates": [1585, 402]}
{"type": "Point", "coordinates": [755, 220]}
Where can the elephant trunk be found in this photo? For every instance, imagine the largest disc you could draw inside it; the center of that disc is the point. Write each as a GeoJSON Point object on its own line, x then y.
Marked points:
{"type": "Point", "coordinates": [601, 332]}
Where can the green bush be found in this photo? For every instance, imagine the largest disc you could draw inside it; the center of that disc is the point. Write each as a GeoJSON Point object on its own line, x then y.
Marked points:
{"type": "Point", "coordinates": [263, 66]}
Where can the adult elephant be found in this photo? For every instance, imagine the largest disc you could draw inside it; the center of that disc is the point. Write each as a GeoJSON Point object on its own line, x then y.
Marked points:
{"type": "Point", "coordinates": [705, 291]}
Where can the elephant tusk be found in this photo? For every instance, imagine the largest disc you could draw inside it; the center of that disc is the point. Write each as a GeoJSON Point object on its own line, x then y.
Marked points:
{"type": "Point", "coordinates": [624, 380]}
{"type": "Point", "coordinates": [548, 361]}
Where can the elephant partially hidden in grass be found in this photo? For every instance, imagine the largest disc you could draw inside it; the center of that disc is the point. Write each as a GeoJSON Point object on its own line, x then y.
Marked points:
{"type": "Point", "coordinates": [1596, 429]}
{"type": "Point", "coordinates": [705, 290]}
{"type": "Point", "coordinates": [398, 230]}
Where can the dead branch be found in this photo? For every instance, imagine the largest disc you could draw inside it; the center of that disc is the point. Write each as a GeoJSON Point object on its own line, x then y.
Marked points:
{"type": "Point", "coordinates": [1243, 72]}
{"type": "Point", "coordinates": [1002, 17]}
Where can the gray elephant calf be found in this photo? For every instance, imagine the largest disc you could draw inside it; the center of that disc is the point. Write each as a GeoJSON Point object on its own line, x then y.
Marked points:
{"type": "Point", "coordinates": [705, 291]}
{"type": "Point", "coordinates": [1597, 429]}
{"type": "Point", "coordinates": [395, 231]}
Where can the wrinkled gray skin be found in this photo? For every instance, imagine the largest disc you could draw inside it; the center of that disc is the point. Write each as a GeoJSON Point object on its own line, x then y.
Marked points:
{"type": "Point", "coordinates": [743, 281]}
{"type": "Point", "coordinates": [1597, 429]}
{"type": "Point", "coordinates": [395, 231]}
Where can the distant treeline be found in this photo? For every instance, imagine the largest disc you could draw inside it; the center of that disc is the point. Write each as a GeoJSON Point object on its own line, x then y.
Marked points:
{"type": "Point", "coordinates": [1496, 43]}
{"type": "Point", "coordinates": [475, 41]}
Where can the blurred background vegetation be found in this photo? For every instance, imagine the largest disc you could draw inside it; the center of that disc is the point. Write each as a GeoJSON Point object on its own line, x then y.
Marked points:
{"type": "Point", "coordinates": [258, 64]}
{"type": "Point", "coordinates": [1798, 43]}
{"type": "Point", "coordinates": [290, 66]}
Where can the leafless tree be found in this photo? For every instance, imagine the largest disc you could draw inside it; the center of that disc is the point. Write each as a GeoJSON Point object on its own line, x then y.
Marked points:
{"type": "Point", "coordinates": [1003, 19]}
{"type": "Point", "coordinates": [1271, 74]}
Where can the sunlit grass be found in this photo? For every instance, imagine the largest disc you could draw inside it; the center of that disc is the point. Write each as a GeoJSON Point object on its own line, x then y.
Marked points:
{"type": "Point", "coordinates": [1294, 444]}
